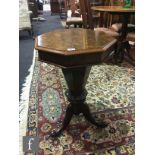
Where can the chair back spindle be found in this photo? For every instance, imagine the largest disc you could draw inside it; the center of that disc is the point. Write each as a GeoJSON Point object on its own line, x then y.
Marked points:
{"type": "Point", "coordinates": [86, 14]}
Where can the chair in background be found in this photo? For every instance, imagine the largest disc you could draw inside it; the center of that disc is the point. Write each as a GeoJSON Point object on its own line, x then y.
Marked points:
{"type": "Point", "coordinates": [88, 22]}
{"type": "Point", "coordinates": [74, 16]}
{"type": "Point", "coordinates": [25, 18]}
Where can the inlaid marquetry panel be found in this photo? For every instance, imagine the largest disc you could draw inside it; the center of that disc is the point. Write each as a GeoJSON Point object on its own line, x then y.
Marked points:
{"type": "Point", "coordinates": [71, 41]}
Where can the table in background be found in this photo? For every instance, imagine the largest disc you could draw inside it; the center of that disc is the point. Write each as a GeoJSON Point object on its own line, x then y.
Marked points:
{"type": "Point", "coordinates": [125, 13]}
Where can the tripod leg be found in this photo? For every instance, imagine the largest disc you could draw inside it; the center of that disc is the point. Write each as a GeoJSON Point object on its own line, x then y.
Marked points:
{"type": "Point", "coordinates": [67, 119]}
{"type": "Point", "coordinates": [88, 116]}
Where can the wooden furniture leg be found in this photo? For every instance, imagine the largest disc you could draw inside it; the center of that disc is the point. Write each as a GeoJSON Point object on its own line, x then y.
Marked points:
{"type": "Point", "coordinates": [76, 79]}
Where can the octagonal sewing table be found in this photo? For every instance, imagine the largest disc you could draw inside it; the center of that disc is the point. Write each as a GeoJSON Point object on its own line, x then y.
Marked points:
{"type": "Point", "coordinates": [75, 51]}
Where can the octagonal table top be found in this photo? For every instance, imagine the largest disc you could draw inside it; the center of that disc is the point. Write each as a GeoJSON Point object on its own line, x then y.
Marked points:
{"type": "Point", "coordinates": [74, 41]}
{"type": "Point", "coordinates": [68, 46]}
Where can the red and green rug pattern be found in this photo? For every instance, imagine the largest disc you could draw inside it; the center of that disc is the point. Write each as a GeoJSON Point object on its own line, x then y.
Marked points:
{"type": "Point", "coordinates": [110, 98]}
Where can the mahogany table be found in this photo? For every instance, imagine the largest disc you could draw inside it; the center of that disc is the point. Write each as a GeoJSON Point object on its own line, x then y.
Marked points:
{"type": "Point", "coordinates": [125, 13]}
{"type": "Point", "coordinates": [75, 51]}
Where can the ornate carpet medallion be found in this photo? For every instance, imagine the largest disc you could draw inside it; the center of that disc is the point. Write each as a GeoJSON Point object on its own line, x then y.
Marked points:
{"type": "Point", "coordinates": [110, 98]}
{"type": "Point", "coordinates": [51, 104]}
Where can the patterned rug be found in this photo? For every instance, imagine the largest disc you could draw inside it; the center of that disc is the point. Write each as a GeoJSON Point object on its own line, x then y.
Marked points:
{"type": "Point", "coordinates": [110, 98]}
